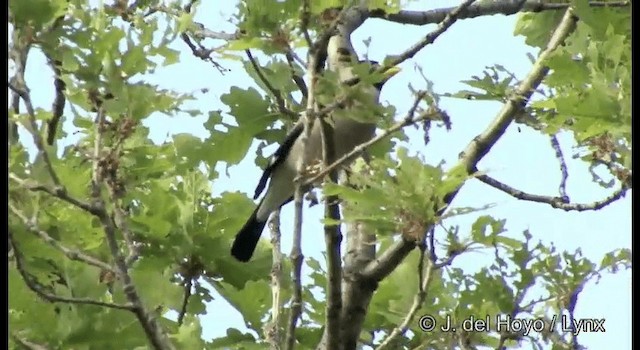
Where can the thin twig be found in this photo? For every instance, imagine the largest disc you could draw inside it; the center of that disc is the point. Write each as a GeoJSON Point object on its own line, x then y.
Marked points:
{"type": "Point", "coordinates": [40, 291]}
{"type": "Point", "coordinates": [295, 57]}
{"type": "Point", "coordinates": [555, 202]}
{"type": "Point", "coordinates": [188, 285]}
{"type": "Point", "coordinates": [305, 15]}
{"type": "Point", "coordinates": [27, 344]}
{"type": "Point", "coordinates": [563, 168]}
{"type": "Point", "coordinates": [452, 255]}
{"type": "Point", "coordinates": [529, 306]}
{"type": "Point", "coordinates": [445, 24]}
{"type": "Point", "coordinates": [197, 30]}
{"type": "Point", "coordinates": [200, 51]}
{"type": "Point", "coordinates": [418, 300]}
{"type": "Point", "coordinates": [59, 193]}
{"type": "Point", "coordinates": [150, 325]}
{"type": "Point", "coordinates": [302, 86]}
{"type": "Point", "coordinates": [72, 254]}
{"type": "Point", "coordinates": [517, 309]}
{"type": "Point", "coordinates": [282, 107]}
{"type": "Point", "coordinates": [360, 148]}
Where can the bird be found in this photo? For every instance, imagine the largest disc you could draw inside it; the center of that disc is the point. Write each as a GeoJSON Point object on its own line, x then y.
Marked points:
{"type": "Point", "coordinates": [282, 169]}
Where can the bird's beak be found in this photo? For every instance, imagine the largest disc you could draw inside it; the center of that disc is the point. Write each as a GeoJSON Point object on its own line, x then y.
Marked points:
{"type": "Point", "coordinates": [390, 72]}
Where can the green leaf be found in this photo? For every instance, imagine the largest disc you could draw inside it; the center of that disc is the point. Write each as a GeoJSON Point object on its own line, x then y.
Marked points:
{"type": "Point", "coordinates": [36, 12]}
{"type": "Point", "coordinates": [233, 337]}
{"type": "Point", "coordinates": [170, 56]}
{"type": "Point", "coordinates": [485, 229]}
{"type": "Point", "coordinates": [184, 21]}
{"type": "Point", "coordinates": [190, 148]}
{"type": "Point", "coordinates": [189, 334]}
{"type": "Point", "coordinates": [153, 281]}
{"type": "Point", "coordinates": [252, 301]}
{"type": "Point", "coordinates": [537, 27]}
{"type": "Point", "coordinates": [247, 106]}
{"type": "Point", "coordinates": [134, 61]}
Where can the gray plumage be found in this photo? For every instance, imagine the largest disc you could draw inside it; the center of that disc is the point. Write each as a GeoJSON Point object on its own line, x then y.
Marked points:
{"type": "Point", "coordinates": [281, 172]}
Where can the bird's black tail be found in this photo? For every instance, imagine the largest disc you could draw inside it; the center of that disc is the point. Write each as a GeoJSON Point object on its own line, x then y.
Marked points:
{"type": "Point", "coordinates": [247, 239]}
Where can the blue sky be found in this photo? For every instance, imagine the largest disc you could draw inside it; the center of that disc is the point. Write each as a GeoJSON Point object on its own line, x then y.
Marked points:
{"type": "Point", "coordinates": [522, 159]}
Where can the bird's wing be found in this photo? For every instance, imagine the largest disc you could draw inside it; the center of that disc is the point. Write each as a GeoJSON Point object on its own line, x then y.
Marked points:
{"type": "Point", "coordinates": [279, 156]}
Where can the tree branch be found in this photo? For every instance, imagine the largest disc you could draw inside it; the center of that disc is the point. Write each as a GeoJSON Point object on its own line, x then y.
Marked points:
{"type": "Point", "coordinates": [296, 249]}
{"type": "Point", "coordinates": [201, 52]}
{"type": "Point", "coordinates": [484, 8]}
{"type": "Point", "coordinates": [202, 32]}
{"type": "Point", "coordinates": [198, 49]}
{"type": "Point", "coordinates": [450, 257]}
{"type": "Point", "coordinates": [562, 189]}
{"type": "Point", "coordinates": [71, 254]}
{"type": "Point", "coordinates": [317, 57]}
{"type": "Point", "coordinates": [482, 144]}
{"type": "Point", "coordinates": [555, 202]}
{"type": "Point", "coordinates": [59, 192]}
{"type": "Point", "coordinates": [356, 292]}
{"type": "Point", "coordinates": [52, 298]}
{"type": "Point", "coordinates": [272, 328]}
{"type": "Point", "coordinates": [153, 330]}
{"type": "Point", "coordinates": [198, 30]}
{"type": "Point", "coordinates": [332, 237]}
{"type": "Point", "coordinates": [448, 20]}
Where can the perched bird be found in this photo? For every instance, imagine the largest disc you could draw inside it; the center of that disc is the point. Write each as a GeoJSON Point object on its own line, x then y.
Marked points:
{"type": "Point", "coordinates": [282, 170]}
